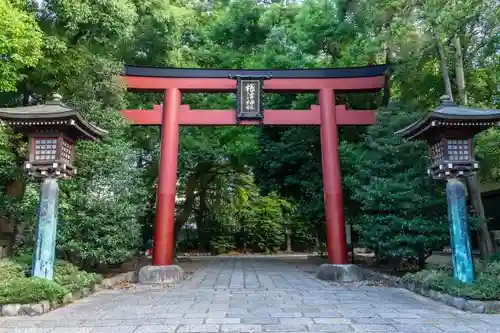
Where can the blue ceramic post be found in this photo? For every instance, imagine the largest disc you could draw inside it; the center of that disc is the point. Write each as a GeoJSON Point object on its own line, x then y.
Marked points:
{"type": "Point", "coordinates": [46, 227]}
{"type": "Point", "coordinates": [463, 262]}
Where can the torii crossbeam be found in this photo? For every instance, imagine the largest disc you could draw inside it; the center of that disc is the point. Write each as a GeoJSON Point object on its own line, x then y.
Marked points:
{"type": "Point", "coordinates": [172, 114]}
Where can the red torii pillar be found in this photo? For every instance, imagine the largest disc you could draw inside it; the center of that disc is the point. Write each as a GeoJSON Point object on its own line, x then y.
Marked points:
{"type": "Point", "coordinates": [164, 231]}
{"type": "Point", "coordinates": [332, 180]}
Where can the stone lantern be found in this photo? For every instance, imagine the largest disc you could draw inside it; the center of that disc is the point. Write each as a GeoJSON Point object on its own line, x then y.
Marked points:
{"type": "Point", "coordinates": [449, 130]}
{"type": "Point", "coordinates": [51, 130]}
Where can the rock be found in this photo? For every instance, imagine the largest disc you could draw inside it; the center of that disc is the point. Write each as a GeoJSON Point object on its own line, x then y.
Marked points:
{"type": "Point", "coordinates": [160, 274]}
{"type": "Point", "coordinates": [96, 288]}
{"type": "Point", "coordinates": [131, 277]}
{"type": "Point", "coordinates": [458, 302]}
{"type": "Point", "coordinates": [85, 292]}
{"type": "Point", "coordinates": [67, 299]}
{"type": "Point", "coordinates": [492, 307]}
{"type": "Point", "coordinates": [411, 286]}
{"type": "Point", "coordinates": [434, 295]}
{"type": "Point", "coordinates": [439, 296]}
{"type": "Point", "coordinates": [340, 273]}
{"type": "Point", "coordinates": [54, 304]}
{"type": "Point", "coordinates": [397, 283]}
{"type": "Point", "coordinates": [45, 306]}
{"type": "Point", "coordinates": [475, 306]}
{"type": "Point", "coordinates": [113, 281]}
{"type": "Point", "coordinates": [425, 291]}
{"type": "Point", "coordinates": [418, 288]}
{"type": "Point", "coordinates": [447, 299]}
{"type": "Point", "coordinates": [10, 310]}
{"type": "Point", "coordinates": [37, 309]}
{"type": "Point", "coordinates": [31, 309]}
{"type": "Point", "coordinates": [77, 294]}
{"type": "Point", "coordinates": [107, 283]}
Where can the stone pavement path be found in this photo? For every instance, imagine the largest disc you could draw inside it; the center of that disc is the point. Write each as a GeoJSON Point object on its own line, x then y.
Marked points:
{"type": "Point", "coordinates": [248, 295]}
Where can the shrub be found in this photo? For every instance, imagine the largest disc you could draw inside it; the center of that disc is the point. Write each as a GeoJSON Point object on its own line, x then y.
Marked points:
{"type": "Point", "coordinates": [222, 244]}
{"type": "Point", "coordinates": [26, 260]}
{"type": "Point", "coordinates": [28, 290]}
{"type": "Point", "coordinates": [485, 287]}
{"type": "Point", "coordinates": [10, 270]}
{"type": "Point", "coordinates": [403, 213]}
{"type": "Point", "coordinates": [495, 257]}
{"type": "Point", "coordinates": [69, 276]}
{"type": "Point", "coordinates": [15, 287]}
{"type": "Point", "coordinates": [65, 273]}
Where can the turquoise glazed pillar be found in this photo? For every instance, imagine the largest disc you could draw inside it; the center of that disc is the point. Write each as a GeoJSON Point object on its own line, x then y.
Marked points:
{"type": "Point", "coordinates": [46, 229]}
{"type": "Point", "coordinates": [463, 262]}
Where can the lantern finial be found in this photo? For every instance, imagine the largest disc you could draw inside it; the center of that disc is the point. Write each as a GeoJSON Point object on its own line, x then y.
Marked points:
{"type": "Point", "coordinates": [445, 100]}
{"type": "Point", "coordinates": [56, 99]}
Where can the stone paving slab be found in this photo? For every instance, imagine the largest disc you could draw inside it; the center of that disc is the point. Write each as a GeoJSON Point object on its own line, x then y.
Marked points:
{"type": "Point", "coordinates": [254, 295]}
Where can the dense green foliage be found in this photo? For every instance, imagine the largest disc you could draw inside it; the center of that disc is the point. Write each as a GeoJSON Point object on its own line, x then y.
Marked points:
{"type": "Point", "coordinates": [15, 287]}
{"type": "Point", "coordinates": [402, 210]}
{"type": "Point", "coordinates": [20, 43]}
{"type": "Point", "coordinates": [241, 187]}
{"type": "Point", "coordinates": [495, 257]}
{"type": "Point", "coordinates": [485, 287]}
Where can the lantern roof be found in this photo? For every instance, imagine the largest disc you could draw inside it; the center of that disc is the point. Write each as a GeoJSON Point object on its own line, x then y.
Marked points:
{"type": "Point", "coordinates": [450, 115]}
{"type": "Point", "coordinates": [52, 114]}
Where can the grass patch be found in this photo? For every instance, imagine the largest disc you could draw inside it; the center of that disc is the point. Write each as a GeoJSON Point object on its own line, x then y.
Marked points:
{"type": "Point", "coordinates": [485, 287]}
{"type": "Point", "coordinates": [15, 287]}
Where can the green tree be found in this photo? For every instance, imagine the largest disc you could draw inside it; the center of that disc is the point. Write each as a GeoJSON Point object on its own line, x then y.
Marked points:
{"type": "Point", "coordinates": [403, 211]}
{"type": "Point", "coordinates": [99, 208]}
{"type": "Point", "coordinates": [20, 44]}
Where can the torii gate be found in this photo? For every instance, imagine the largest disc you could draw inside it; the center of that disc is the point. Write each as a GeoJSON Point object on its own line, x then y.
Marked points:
{"type": "Point", "coordinates": [250, 86]}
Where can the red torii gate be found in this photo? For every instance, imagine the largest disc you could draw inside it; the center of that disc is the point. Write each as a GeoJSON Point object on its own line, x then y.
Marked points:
{"type": "Point", "coordinates": [174, 81]}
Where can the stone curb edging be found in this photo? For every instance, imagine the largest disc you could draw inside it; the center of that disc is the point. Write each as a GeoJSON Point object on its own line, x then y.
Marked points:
{"type": "Point", "coordinates": [474, 306]}
{"type": "Point", "coordinates": [37, 309]}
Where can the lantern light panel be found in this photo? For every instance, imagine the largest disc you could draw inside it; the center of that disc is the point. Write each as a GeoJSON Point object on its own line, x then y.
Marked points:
{"type": "Point", "coordinates": [45, 149]}
{"type": "Point", "coordinates": [458, 150]}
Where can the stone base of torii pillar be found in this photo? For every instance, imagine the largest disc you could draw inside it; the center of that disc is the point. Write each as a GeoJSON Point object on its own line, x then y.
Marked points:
{"type": "Point", "coordinates": [160, 274]}
{"type": "Point", "coordinates": [341, 273]}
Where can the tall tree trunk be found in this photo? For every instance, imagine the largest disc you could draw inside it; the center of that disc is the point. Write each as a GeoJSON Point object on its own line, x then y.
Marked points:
{"type": "Point", "coordinates": [317, 243]}
{"type": "Point", "coordinates": [485, 245]}
{"type": "Point", "coordinates": [459, 69]}
{"type": "Point", "coordinates": [443, 64]}
{"type": "Point", "coordinates": [200, 223]}
{"type": "Point", "coordinates": [187, 207]}
{"type": "Point", "coordinates": [11, 233]}
{"type": "Point", "coordinates": [288, 234]}
{"type": "Point", "coordinates": [14, 231]}
{"type": "Point", "coordinates": [27, 91]}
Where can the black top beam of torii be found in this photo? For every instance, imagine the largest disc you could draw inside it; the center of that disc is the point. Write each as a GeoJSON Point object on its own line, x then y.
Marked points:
{"type": "Point", "coordinates": [302, 73]}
